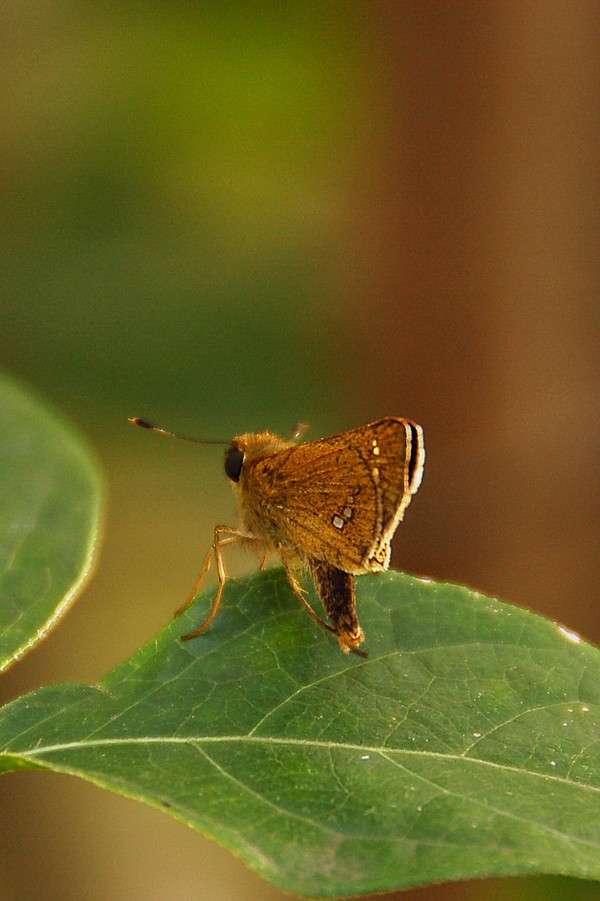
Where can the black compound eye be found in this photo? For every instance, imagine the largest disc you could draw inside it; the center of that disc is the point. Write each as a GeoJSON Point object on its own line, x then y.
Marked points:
{"type": "Point", "coordinates": [234, 459]}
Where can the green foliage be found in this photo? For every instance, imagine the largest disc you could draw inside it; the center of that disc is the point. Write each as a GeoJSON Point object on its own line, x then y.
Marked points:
{"type": "Point", "coordinates": [466, 744]}
{"type": "Point", "coordinates": [50, 502]}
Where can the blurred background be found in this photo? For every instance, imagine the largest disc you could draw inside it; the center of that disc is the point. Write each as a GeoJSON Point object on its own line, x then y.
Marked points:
{"type": "Point", "coordinates": [234, 216]}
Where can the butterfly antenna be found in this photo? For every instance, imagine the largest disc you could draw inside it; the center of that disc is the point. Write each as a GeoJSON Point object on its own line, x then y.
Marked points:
{"type": "Point", "coordinates": [144, 424]}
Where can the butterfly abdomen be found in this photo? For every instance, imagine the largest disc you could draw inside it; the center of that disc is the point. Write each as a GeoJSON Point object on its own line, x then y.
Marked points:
{"type": "Point", "coordinates": [336, 589]}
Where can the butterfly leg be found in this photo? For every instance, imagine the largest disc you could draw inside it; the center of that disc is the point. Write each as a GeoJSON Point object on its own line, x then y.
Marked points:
{"type": "Point", "coordinates": [223, 536]}
{"type": "Point", "coordinates": [300, 593]}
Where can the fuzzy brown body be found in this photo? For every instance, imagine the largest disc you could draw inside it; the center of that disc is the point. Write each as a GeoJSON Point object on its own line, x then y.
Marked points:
{"type": "Point", "coordinates": [331, 506]}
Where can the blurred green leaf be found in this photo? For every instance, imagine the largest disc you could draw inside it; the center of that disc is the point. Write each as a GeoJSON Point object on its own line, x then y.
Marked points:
{"type": "Point", "coordinates": [466, 744]}
{"type": "Point", "coordinates": [49, 512]}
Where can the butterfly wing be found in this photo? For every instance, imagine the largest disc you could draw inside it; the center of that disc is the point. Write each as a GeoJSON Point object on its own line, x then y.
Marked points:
{"type": "Point", "coordinates": [340, 499]}
{"type": "Point", "coordinates": [398, 458]}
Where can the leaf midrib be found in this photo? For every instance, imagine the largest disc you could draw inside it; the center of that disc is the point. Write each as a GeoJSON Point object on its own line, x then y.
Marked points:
{"type": "Point", "coordinates": [383, 751]}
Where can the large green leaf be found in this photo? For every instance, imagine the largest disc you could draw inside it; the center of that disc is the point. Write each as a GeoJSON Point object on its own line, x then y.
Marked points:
{"type": "Point", "coordinates": [466, 744]}
{"type": "Point", "coordinates": [49, 511]}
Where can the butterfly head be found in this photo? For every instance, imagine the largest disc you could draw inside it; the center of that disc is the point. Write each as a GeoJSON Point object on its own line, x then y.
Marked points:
{"type": "Point", "coordinates": [234, 460]}
{"type": "Point", "coordinates": [251, 448]}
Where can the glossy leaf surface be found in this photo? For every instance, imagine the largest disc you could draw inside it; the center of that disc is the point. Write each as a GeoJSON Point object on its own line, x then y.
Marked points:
{"type": "Point", "coordinates": [49, 519]}
{"type": "Point", "coordinates": [466, 744]}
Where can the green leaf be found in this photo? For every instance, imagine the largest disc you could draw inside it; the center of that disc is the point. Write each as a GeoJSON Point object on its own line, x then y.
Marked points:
{"type": "Point", "coordinates": [466, 744]}
{"type": "Point", "coordinates": [49, 502]}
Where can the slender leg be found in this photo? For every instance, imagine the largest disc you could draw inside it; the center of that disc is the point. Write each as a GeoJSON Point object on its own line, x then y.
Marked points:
{"type": "Point", "coordinates": [196, 588]}
{"type": "Point", "coordinates": [230, 536]}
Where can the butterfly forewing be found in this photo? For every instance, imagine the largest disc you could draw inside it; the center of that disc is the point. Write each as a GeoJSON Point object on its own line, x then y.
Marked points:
{"type": "Point", "coordinates": [322, 500]}
{"type": "Point", "coordinates": [341, 498]}
{"type": "Point", "coordinates": [397, 457]}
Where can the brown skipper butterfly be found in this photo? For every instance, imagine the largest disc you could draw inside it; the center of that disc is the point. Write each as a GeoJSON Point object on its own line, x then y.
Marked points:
{"type": "Point", "coordinates": [331, 506]}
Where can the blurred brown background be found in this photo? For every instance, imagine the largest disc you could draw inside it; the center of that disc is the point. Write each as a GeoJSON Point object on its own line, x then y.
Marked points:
{"type": "Point", "coordinates": [236, 216]}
